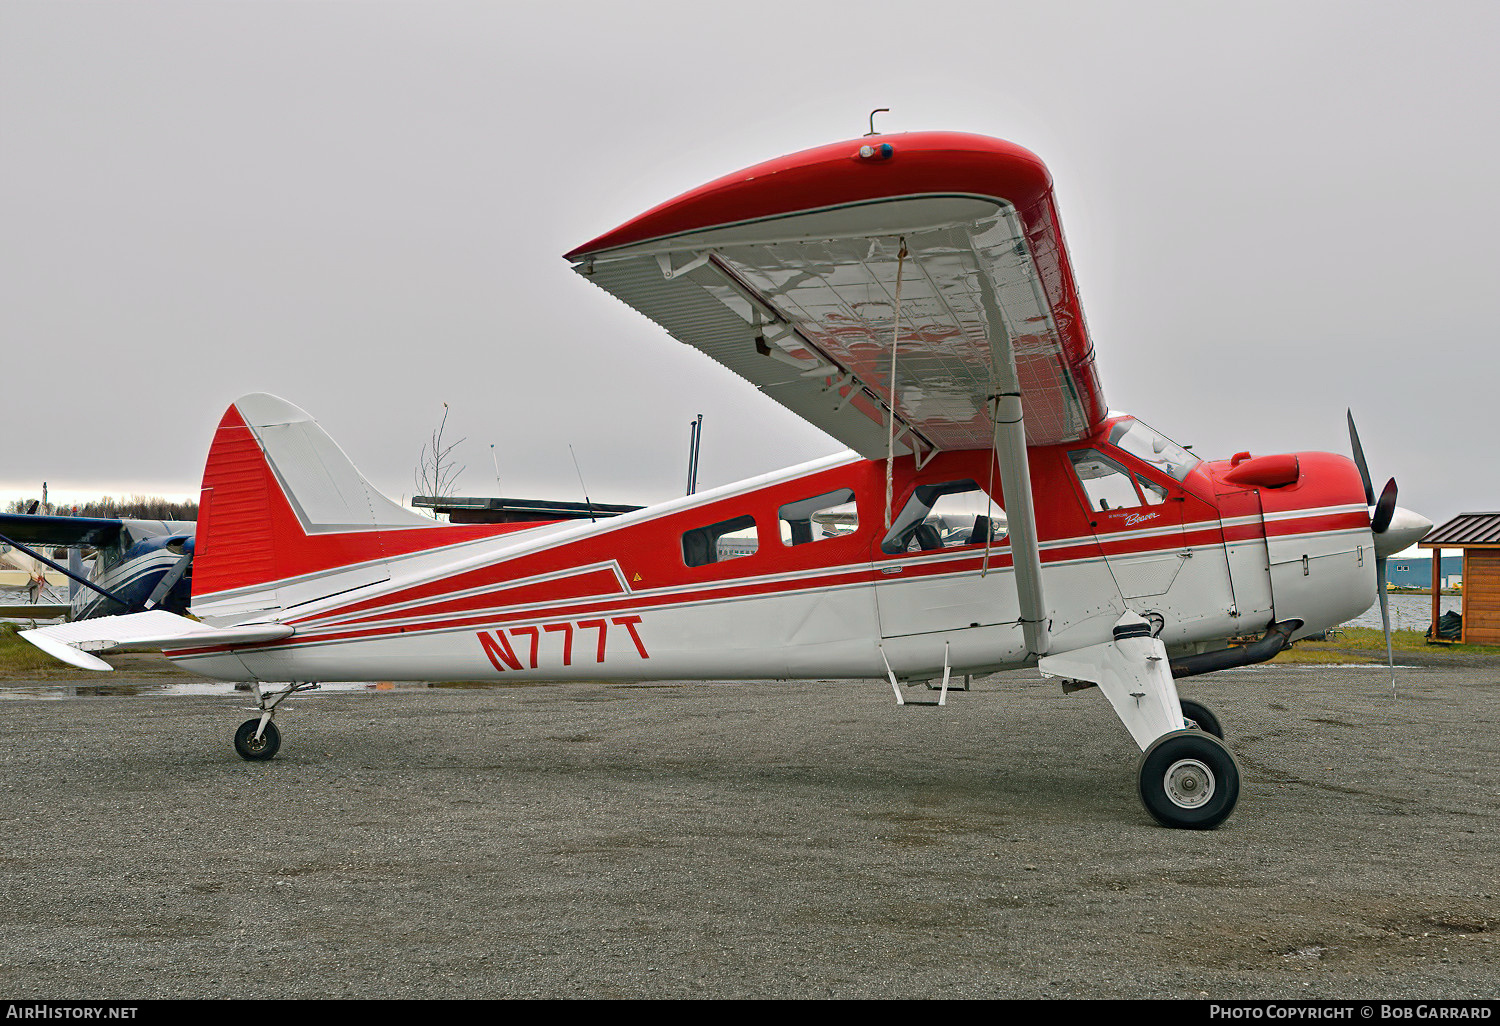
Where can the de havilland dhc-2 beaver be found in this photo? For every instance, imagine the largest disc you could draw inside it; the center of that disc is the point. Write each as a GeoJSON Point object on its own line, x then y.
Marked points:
{"type": "Point", "coordinates": [910, 295]}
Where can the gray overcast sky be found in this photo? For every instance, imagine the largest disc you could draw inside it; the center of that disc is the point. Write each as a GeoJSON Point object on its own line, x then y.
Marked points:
{"type": "Point", "coordinates": [1275, 211]}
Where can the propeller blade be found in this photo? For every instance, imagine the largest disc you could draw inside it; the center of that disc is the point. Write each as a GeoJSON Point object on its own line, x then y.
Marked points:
{"type": "Point", "coordinates": [169, 580]}
{"type": "Point", "coordinates": [1385, 620]}
{"type": "Point", "coordinates": [1384, 509]}
{"type": "Point", "coordinates": [1359, 461]}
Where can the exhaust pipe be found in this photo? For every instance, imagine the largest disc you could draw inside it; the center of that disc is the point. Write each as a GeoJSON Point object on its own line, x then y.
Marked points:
{"type": "Point", "coordinates": [1275, 639]}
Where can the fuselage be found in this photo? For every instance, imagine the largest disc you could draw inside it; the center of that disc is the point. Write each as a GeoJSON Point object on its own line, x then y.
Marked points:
{"type": "Point", "coordinates": [805, 574]}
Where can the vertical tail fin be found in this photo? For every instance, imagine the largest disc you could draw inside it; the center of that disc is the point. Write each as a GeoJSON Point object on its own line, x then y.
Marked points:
{"type": "Point", "coordinates": [285, 517]}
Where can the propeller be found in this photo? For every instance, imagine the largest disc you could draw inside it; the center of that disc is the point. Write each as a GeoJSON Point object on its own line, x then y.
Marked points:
{"type": "Point", "coordinates": [169, 580]}
{"type": "Point", "coordinates": [1385, 507]}
{"type": "Point", "coordinates": [1393, 529]}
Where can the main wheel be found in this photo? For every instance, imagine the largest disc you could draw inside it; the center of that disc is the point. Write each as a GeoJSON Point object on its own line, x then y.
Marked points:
{"type": "Point", "coordinates": [1188, 779]}
{"type": "Point", "coordinates": [1200, 716]}
{"type": "Point", "coordinates": [256, 750]}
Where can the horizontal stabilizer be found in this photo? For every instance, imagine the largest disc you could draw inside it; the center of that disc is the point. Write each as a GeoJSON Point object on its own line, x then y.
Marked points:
{"type": "Point", "coordinates": [72, 642]}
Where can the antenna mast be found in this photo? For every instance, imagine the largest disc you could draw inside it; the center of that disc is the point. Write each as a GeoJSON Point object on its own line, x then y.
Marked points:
{"type": "Point", "coordinates": [695, 438]}
{"type": "Point", "coordinates": [585, 487]}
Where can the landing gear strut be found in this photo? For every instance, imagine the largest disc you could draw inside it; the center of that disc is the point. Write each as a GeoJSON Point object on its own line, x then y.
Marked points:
{"type": "Point", "coordinates": [258, 739]}
{"type": "Point", "coordinates": [1186, 777]}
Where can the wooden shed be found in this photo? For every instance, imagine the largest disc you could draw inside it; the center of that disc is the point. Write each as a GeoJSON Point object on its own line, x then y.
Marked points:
{"type": "Point", "coordinates": [1478, 535]}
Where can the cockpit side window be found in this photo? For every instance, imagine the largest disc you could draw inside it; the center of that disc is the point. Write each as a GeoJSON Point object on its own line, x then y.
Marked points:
{"type": "Point", "coordinates": [1107, 484]}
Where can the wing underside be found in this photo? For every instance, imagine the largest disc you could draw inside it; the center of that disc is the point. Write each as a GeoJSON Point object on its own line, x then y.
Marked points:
{"type": "Point", "coordinates": [806, 303]}
{"type": "Point", "coordinates": [32, 529]}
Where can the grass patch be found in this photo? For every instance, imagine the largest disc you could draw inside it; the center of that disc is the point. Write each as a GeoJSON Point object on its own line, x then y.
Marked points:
{"type": "Point", "coordinates": [1356, 645]}
{"type": "Point", "coordinates": [20, 658]}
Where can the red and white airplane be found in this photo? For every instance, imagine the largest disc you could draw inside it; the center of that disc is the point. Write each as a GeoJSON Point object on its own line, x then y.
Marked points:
{"type": "Point", "coordinates": [910, 295]}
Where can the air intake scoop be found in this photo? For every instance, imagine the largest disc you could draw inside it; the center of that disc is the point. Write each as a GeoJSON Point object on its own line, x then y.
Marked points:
{"type": "Point", "coordinates": [1264, 471]}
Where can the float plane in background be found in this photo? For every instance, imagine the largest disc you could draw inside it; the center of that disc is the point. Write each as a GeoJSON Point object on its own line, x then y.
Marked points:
{"type": "Point", "coordinates": [136, 565]}
{"type": "Point", "coordinates": [910, 295]}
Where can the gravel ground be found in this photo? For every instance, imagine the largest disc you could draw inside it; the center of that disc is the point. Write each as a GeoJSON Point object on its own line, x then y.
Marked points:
{"type": "Point", "coordinates": [796, 839]}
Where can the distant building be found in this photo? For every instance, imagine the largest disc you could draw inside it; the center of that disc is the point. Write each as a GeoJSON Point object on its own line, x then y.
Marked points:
{"type": "Point", "coordinates": [1416, 571]}
{"type": "Point", "coordinates": [1478, 535]}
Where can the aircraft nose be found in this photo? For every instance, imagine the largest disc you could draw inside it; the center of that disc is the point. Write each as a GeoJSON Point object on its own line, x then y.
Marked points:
{"type": "Point", "coordinates": [1406, 528]}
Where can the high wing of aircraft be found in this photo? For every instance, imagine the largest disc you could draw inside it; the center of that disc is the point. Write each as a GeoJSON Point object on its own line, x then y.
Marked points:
{"type": "Point", "coordinates": [912, 296]}
{"type": "Point", "coordinates": [136, 564]}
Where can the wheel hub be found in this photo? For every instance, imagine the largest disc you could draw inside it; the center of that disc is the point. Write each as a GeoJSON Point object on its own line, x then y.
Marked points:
{"type": "Point", "coordinates": [1189, 783]}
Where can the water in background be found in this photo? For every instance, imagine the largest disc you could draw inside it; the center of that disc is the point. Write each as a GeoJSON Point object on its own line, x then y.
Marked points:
{"type": "Point", "coordinates": [1408, 612]}
{"type": "Point", "coordinates": [20, 596]}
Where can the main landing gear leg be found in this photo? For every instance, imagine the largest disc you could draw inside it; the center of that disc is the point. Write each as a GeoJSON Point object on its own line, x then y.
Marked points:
{"type": "Point", "coordinates": [258, 739]}
{"type": "Point", "coordinates": [1186, 778]}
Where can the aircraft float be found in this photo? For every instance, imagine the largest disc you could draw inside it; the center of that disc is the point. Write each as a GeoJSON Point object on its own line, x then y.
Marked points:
{"type": "Point", "coordinates": [910, 295]}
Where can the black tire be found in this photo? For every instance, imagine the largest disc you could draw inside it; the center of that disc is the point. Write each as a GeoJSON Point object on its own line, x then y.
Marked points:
{"type": "Point", "coordinates": [1201, 717]}
{"type": "Point", "coordinates": [253, 750]}
{"type": "Point", "coordinates": [1187, 779]}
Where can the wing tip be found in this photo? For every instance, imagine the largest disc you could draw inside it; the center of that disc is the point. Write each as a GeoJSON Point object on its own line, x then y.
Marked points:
{"type": "Point", "coordinates": [61, 650]}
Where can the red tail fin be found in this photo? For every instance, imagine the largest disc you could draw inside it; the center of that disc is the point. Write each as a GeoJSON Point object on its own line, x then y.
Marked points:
{"type": "Point", "coordinates": [286, 518]}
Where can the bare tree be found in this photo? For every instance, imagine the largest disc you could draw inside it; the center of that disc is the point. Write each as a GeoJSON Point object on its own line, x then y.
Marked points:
{"type": "Point", "coordinates": [437, 474]}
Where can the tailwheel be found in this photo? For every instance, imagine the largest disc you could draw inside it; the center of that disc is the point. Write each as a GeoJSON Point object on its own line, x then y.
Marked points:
{"type": "Point", "coordinates": [1200, 717]}
{"type": "Point", "coordinates": [257, 749]}
{"type": "Point", "coordinates": [1189, 780]}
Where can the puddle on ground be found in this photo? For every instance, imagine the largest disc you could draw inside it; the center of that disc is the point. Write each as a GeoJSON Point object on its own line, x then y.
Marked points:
{"type": "Point", "coordinates": [178, 689]}
{"type": "Point", "coordinates": [1309, 667]}
{"type": "Point", "coordinates": [127, 688]}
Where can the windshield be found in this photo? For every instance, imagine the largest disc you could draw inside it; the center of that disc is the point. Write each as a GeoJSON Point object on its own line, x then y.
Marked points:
{"type": "Point", "coordinates": [1153, 447]}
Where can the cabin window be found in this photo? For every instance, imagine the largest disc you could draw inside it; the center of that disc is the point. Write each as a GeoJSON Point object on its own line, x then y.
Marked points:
{"type": "Point", "coordinates": [715, 543]}
{"type": "Point", "coordinates": [830, 515]}
{"type": "Point", "coordinates": [945, 516]}
{"type": "Point", "coordinates": [1106, 483]}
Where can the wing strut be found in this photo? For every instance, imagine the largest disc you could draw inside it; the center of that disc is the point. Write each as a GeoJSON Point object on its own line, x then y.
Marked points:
{"type": "Point", "coordinates": [1015, 483]}
{"type": "Point", "coordinates": [890, 442]}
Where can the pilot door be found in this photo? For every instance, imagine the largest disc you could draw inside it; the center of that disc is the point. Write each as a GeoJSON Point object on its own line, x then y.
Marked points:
{"type": "Point", "coordinates": [1136, 521]}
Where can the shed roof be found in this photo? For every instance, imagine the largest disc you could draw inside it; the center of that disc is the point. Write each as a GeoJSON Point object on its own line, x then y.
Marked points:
{"type": "Point", "coordinates": [1466, 529]}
